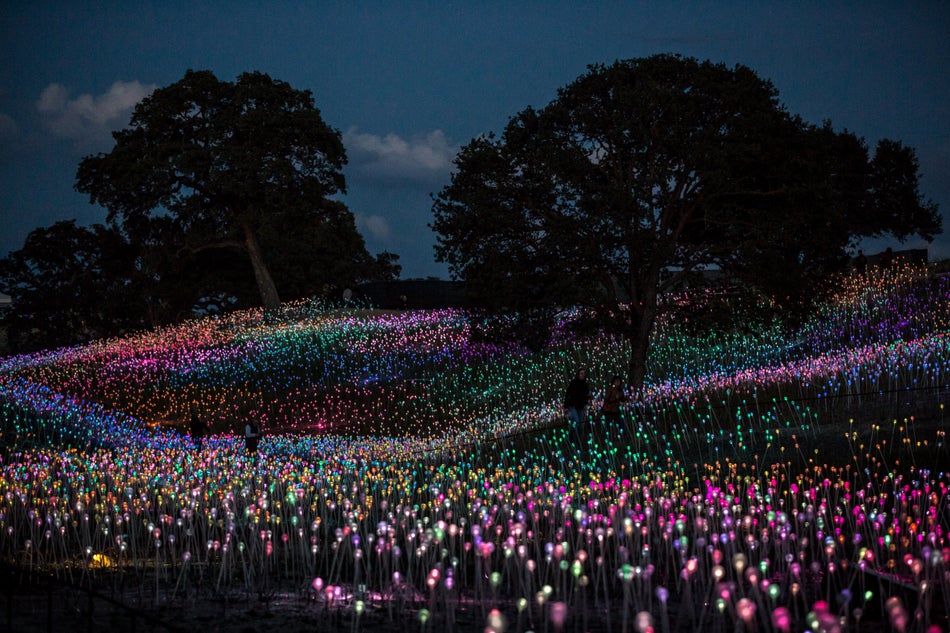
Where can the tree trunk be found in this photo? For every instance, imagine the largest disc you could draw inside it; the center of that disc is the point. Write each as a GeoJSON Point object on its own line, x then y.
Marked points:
{"type": "Point", "coordinates": [639, 335]}
{"type": "Point", "coordinates": [642, 318]}
{"type": "Point", "coordinates": [265, 284]}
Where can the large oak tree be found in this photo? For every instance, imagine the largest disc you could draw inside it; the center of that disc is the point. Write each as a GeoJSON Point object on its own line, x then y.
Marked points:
{"type": "Point", "coordinates": [646, 170]}
{"type": "Point", "coordinates": [221, 159]}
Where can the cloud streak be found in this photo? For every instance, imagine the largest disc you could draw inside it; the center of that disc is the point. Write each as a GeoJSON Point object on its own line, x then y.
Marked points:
{"type": "Point", "coordinates": [88, 119]}
{"type": "Point", "coordinates": [376, 226]}
{"type": "Point", "coordinates": [392, 158]}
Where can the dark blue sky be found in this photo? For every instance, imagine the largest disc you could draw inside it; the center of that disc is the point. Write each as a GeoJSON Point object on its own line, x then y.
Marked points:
{"type": "Point", "coordinates": [408, 83]}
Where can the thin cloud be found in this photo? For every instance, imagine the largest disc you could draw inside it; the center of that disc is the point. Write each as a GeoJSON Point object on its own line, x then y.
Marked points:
{"type": "Point", "coordinates": [89, 119]}
{"type": "Point", "coordinates": [375, 225]}
{"type": "Point", "coordinates": [396, 159]}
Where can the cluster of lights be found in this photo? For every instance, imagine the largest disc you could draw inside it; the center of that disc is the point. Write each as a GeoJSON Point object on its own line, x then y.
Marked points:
{"type": "Point", "coordinates": [719, 496]}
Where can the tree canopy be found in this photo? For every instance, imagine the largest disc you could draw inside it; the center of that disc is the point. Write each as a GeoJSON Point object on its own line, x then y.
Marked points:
{"type": "Point", "coordinates": [215, 189]}
{"type": "Point", "coordinates": [69, 285]}
{"type": "Point", "coordinates": [224, 160]}
{"type": "Point", "coordinates": [641, 172]}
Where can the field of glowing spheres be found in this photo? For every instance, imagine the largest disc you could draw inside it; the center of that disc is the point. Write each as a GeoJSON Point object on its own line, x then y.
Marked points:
{"type": "Point", "coordinates": [769, 478]}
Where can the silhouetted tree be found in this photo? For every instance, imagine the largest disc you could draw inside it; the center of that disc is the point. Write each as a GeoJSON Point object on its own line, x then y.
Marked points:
{"type": "Point", "coordinates": [220, 159]}
{"type": "Point", "coordinates": [646, 170]}
{"type": "Point", "coordinates": [69, 285]}
{"type": "Point", "coordinates": [321, 248]}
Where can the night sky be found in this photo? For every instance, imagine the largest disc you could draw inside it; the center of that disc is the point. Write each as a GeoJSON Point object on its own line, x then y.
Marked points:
{"type": "Point", "coordinates": [407, 86]}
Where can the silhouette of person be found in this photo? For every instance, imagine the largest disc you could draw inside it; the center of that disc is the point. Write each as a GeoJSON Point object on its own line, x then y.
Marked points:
{"type": "Point", "coordinates": [252, 435]}
{"type": "Point", "coordinates": [612, 399]}
{"type": "Point", "coordinates": [576, 401]}
{"type": "Point", "coordinates": [861, 262]}
{"type": "Point", "coordinates": [197, 428]}
{"type": "Point", "coordinates": [887, 257]}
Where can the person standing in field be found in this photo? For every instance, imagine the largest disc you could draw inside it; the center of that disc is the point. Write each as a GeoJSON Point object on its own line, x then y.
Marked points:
{"type": "Point", "coordinates": [577, 398]}
{"type": "Point", "coordinates": [613, 397]}
{"type": "Point", "coordinates": [252, 434]}
{"type": "Point", "coordinates": [576, 401]}
{"type": "Point", "coordinates": [197, 428]}
{"type": "Point", "coordinates": [861, 262]}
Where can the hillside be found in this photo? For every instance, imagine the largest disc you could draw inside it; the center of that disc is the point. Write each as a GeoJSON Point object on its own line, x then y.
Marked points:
{"type": "Point", "coordinates": [409, 475]}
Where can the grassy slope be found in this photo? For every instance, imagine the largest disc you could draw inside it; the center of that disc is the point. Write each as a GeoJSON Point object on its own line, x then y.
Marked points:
{"type": "Point", "coordinates": [876, 344]}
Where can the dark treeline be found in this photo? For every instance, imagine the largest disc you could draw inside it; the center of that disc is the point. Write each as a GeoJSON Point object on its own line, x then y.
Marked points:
{"type": "Point", "coordinates": [636, 179]}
